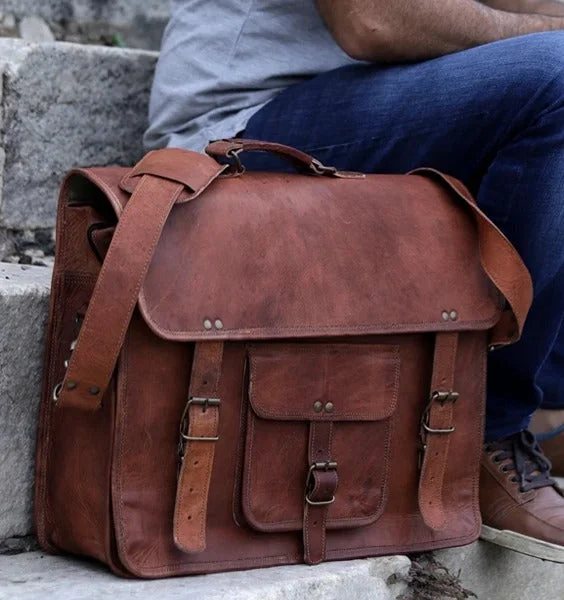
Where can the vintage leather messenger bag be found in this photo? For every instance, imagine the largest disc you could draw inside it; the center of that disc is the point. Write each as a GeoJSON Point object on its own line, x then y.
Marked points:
{"type": "Point", "coordinates": [248, 369]}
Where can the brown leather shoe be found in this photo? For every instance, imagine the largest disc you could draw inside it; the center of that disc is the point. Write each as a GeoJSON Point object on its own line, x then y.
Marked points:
{"type": "Point", "coordinates": [522, 507]}
{"type": "Point", "coordinates": [553, 447]}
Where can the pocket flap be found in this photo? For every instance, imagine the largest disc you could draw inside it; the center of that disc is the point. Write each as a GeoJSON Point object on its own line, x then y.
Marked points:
{"type": "Point", "coordinates": [321, 382]}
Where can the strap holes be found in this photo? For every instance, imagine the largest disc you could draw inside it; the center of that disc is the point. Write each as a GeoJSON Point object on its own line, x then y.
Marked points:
{"type": "Point", "coordinates": [189, 517]}
{"type": "Point", "coordinates": [191, 489]}
{"type": "Point", "coordinates": [205, 382]}
{"type": "Point", "coordinates": [315, 522]}
{"type": "Point", "coordinates": [196, 462]}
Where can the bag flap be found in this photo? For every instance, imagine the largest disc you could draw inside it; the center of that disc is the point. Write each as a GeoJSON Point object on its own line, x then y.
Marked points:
{"type": "Point", "coordinates": [272, 256]}
{"type": "Point", "coordinates": [323, 382]}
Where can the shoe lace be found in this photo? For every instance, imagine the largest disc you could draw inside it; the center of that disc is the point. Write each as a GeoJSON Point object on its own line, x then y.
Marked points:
{"type": "Point", "coordinates": [525, 458]}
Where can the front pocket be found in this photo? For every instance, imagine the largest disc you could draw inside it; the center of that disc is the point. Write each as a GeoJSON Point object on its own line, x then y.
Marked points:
{"type": "Point", "coordinates": [292, 389]}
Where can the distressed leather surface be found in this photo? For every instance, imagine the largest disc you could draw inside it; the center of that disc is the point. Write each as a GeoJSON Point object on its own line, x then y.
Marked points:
{"type": "Point", "coordinates": [328, 291]}
{"type": "Point", "coordinates": [346, 251]}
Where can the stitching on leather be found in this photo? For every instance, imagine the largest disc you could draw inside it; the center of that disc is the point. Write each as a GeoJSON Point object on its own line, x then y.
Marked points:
{"type": "Point", "coordinates": [203, 497]}
{"type": "Point", "coordinates": [60, 279]}
{"type": "Point", "coordinates": [433, 471]}
{"type": "Point", "coordinates": [479, 435]}
{"type": "Point", "coordinates": [120, 419]}
{"type": "Point", "coordinates": [342, 416]}
{"type": "Point", "coordinates": [85, 332]}
{"type": "Point", "coordinates": [238, 480]}
{"type": "Point", "coordinates": [347, 520]}
{"type": "Point", "coordinates": [336, 330]}
{"type": "Point", "coordinates": [199, 504]}
{"type": "Point", "coordinates": [252, 415]}
{"type": "Point", "coordinates": [353, 552]}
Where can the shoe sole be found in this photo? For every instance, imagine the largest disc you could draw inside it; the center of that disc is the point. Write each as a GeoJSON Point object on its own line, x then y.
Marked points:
{"type": "Point", "coordinates": [523, 544]}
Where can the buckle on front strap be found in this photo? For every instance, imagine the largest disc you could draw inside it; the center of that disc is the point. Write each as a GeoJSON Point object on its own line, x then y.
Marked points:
{"type": "Point", "coordinates": [425, 428]}
{"type": "Point", "coordinates": [441, 397]}
{"type": "Point", "coordinates": [185, 423]}
{"type": "Point", "coordinates": [310, 482]}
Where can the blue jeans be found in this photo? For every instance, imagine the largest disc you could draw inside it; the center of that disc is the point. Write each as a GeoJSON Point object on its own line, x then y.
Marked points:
{"type": "Point", "coordinates": [492, 116]}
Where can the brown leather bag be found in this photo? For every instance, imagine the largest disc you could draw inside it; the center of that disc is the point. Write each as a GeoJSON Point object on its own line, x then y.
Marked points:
{"type": "Point", "coordinates": [270, 368]}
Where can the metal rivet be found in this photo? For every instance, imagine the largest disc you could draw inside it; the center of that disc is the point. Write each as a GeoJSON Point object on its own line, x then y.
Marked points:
{"type": "Point", "coordinates": [453, 315]}
{"type": "Point", "coordinates": [71, 385]}
{"type": "Point", "coordinates": [218, 324]}
{"type": "Point", "coordinates": [73, 345]}
{"type": "Point", "coordinates": [57, 392]}
{"type": "Point", "coordinates": [317, 406]}
{"type": "Point", "coordinates": [66, 363]}
{"type": "Point", "coordinates": [207, 324]}
{"type": "Point", "coordinates": [329, 407]}
{"type": "Point", "coordinates": [94, 390]}
{"type": "Point", "coordinates": [445, 315]}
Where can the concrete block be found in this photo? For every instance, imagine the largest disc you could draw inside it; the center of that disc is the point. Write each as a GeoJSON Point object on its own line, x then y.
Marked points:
{"type": "Point", "coordinates": [66, 105]}
{"type": "Point", "coordinates": [24, 295]}
{"type": "Point", "coordinates": [117, 12]}
{"type": "Point", "coordinates": [492, 572]}
{"type": "Point", "coordinates": [140, 23]}
{"type": "Point", "coordinates": [35, 29]}
{"type": "Point", "coordinates": [32, 576]}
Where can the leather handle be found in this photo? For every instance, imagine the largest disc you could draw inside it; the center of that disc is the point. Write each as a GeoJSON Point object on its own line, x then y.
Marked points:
{"type": "Point", "coordinates": [231, 148]}
{"type": "Point", "coordinates": [500, 261]}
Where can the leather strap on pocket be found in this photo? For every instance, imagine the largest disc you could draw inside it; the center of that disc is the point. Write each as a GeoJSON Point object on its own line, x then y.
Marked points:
{"type": "Point", "coordinates": [437, 426]}
{"type": "Point", "coordinates": [199, 431]}
{"type": "Point", "coordinates": [321, 486]}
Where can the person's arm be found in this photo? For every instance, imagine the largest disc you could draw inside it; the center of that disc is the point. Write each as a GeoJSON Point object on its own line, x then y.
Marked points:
{"type": "Point", "coordinates": [553, 8]}
{"type": "Point", "coordinates": [404, 30]}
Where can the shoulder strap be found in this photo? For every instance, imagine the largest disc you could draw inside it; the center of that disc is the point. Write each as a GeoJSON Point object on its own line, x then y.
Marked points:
{"type": "Point", "coordinates": [163, 176]}
{"type": "Point", "coordinates": [500, 261]}
{"type": "Point", "coordinates": [125, 266]}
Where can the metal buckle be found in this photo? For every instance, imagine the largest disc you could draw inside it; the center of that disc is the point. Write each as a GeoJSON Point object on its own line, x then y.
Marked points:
{"type": "Point", "coordinates": [441, 397]}
{"type": "Point", "coordinates": [320, 466]}
{"type": "Point", "coordinates": [185, 420]}
{"type": "Point", "coordinates": [431, 430]}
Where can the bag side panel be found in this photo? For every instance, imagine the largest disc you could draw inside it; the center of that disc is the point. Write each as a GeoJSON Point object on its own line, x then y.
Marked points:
{"type": "Point", "coordinates": [73, 448]}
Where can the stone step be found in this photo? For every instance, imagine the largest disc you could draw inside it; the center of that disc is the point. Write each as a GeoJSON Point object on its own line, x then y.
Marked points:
{"type": "Point", "coordinates": [24, 296]}
{"type": "Point", "coordinates": [33, 576]}
{"type": "Point", "coordinates": [491, 573]}
{"type": "Point", "coordinates": [140, 22]}
{"type": "Point", "coordinates": [118, 12]}
{"type": "Point", "coordinates": [494, 573]}
{"type": "Point", "coordinates": [65, 105]}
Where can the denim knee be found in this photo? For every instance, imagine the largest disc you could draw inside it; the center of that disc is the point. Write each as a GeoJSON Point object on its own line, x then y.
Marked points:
{"type": "Point", "coordinates": [537, 67]}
